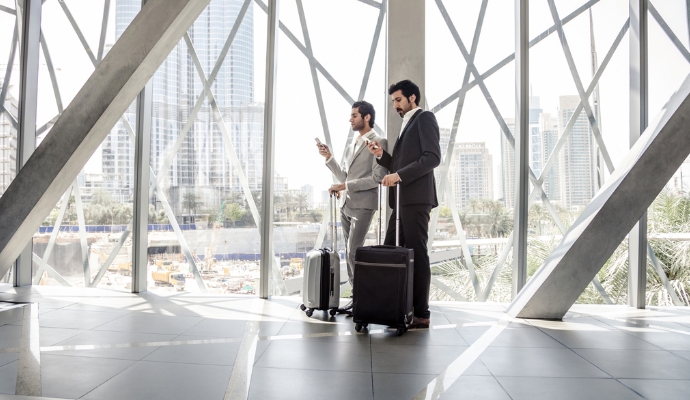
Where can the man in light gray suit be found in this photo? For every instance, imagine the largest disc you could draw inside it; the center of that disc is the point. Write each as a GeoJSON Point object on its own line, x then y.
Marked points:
{"type": "Point", "coordinates": [359, 176]}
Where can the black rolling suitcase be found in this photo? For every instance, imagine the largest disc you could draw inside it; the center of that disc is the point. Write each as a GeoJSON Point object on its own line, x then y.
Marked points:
{"type": "Point", "coordinates": [383, 286]}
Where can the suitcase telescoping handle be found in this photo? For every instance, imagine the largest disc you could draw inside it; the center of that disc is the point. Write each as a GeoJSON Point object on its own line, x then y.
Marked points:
{"type": "Point", "coordinates": [397, 215]}
{"type": "Point", "coordinates": [334, 227]}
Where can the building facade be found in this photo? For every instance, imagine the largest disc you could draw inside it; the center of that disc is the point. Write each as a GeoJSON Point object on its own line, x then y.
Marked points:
{"type": "Point", "coordinates": [471, 173]}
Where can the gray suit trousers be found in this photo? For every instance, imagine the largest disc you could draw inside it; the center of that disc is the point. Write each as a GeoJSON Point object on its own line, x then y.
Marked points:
{"type": "Point", "coordinates": [355, 227]}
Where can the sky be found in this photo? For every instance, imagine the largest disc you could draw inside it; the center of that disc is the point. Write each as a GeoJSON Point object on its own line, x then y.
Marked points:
{"type": "Point", "coordinates": [341, 34]}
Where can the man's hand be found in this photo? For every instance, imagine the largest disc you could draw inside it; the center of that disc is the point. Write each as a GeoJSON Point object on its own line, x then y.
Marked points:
{"type": "Point", "coordinates": [375, 148]}
{"type": "Point", "coordinates": [324, 151]}
{"type": "Point", "coordinates": [390, 180]}
{"type": "Point", "coordinates": [336, 189]}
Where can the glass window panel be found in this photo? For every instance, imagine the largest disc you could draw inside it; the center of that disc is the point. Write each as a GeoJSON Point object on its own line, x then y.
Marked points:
{"type": "Point", "coordinates": [474, 214]}
{"type": "Point", "coordinates": [302, 179]}
{"type": "Point", "coordinates": [572, 170]}
{"type": "Point", "coordinates": [90, 245]}
{"type": "Point", "coordinates": [668, 222]}
{"type": "Point", "coordinates": [203, 233]}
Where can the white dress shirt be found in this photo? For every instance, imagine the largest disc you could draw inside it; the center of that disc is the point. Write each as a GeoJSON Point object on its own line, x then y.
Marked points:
{"type": "Point", "coordinates": [406, 119]}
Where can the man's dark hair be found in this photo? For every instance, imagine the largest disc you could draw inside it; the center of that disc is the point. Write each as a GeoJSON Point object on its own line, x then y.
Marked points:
{"type": "Point", "coordinates": [408, 89]}
{"type": "Point", "coordinates": [365, 109]}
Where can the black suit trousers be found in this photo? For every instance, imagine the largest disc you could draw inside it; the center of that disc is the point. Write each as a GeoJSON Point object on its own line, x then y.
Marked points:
{"type": "Point", "coordinates": [414, 233]}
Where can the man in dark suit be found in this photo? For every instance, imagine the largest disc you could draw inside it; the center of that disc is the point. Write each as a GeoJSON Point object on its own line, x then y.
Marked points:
{"type": "Point", "coordinates": [411, 165]}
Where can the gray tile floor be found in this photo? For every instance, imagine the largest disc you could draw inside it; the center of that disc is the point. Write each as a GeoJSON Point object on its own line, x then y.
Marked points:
{"type": "Point", "coordinates": [99, 344]}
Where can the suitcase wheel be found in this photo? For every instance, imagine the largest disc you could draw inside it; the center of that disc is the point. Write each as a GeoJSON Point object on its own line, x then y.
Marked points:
{"type": "Point", "coordinates": [333, 311]}
{"type": "Point", "coordinates": [302, 307]}
{"type": "Point", "coordinates": [400, 331]}
{"type": "Point", "coordinates": [358, 327]}
{"type": "Point", "coordinates": [310, 312]}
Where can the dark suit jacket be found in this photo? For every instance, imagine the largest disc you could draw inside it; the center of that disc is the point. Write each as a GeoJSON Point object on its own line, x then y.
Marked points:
{"type": "Point", "coordinates": [415, 155]}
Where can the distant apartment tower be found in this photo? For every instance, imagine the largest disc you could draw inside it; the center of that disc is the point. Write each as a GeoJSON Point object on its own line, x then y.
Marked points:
{"type": "Point", "coordinates": [471, 173]}
{"type": "Point", "coordinates": [508, 165]}
{"type": "Point", "coordinates": [577, 160]}
{"type": "Point", "coordinates": [549, 137]}
{"type": "Point", "coordinates": [203, 163]}
{"type": "Point", "coordinates": [8, 143]}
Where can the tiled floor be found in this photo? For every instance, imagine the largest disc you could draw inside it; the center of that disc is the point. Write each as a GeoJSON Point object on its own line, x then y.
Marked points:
{"type": "Point", "coordinates": [99, 344]}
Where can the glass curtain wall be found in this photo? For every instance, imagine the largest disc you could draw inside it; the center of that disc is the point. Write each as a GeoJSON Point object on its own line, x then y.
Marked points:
{"type": "Point", "coordinates": [85, 240]}
{"type": "Point", "coordinates": [330, 54]}
{"type": "Point", "coordinates": [668, 227]}
{"type": "Point", "coordinates": [9, 96]}
{"type": "Point", "coordinates": [578, 123]}
{"type": "Point", "coordinates": [207, 154]}
{"type": "Point", "coordinates": [470, 86]}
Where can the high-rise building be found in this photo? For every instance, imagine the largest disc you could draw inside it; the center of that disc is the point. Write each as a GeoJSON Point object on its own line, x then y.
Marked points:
{"type": "Point", "coordinates": [471, 173]}
{"type": "Point", "coordinates": [508, 166]}
{"type": "Point", "coordinates": [577, 160]}
{"type": "Point", "coordinates": [203, 162]}
{"type": "Point", "coordinates": [8, 144]}
{"type": "Point", "coordinates": [549, 137]}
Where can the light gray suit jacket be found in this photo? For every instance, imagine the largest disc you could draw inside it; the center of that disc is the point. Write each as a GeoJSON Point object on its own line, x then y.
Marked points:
{"type": "Point", "coordinates": [362, 174]}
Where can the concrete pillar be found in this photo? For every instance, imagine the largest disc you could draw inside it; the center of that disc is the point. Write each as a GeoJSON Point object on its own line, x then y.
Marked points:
{"type": "Point", "coordinates": [89, 118]}
{"type": "Point", "coordinates": [29, 25]}
{"type": "Point", "coordinates": [267, 185]}
{"type": "Point", "coordinates": [611, 214]}
{"type": "Point", "coordinates": [637, 240]}
{"type": "Point", "coordinates": [522, 138]}
{"type": "Point", "coordinates": [405, 55]}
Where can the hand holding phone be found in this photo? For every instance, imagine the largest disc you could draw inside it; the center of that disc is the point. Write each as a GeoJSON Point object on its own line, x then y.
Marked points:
{"type": "Point", "coordinates": [318, 142]}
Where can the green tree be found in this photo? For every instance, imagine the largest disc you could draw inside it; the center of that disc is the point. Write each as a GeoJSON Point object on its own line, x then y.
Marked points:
{"type": "Point", "coordinates": [233, 212]}
{"type": "Point", "coordinates": [190, 203]}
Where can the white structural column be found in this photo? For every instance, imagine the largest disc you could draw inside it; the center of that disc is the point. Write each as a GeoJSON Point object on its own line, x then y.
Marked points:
{"type": "Point", "coordinates": [611, 214]}
{"type": "Point", "coordinates": [29, 25]}
{"type": "Point", "coordinates": [521, 203]}
{"type": "Point", "coordinates": [266, 223]}
{"type": "Point", "coordinates": [142, 182]}
{"type": "Point", "coordinates": [89, 118]}
{"type": "Point", "coordinates": [405, 55]}
{"type": "Point", "coordinates": [637, 241]}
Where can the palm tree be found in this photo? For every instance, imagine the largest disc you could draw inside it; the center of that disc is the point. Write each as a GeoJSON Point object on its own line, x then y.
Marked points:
{"type": "Point", "coordinates": [190, 203]}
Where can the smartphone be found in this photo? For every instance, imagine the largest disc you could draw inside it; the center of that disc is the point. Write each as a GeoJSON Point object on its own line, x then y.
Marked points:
{"type": "Point", "coordinates": [318, 142]}
{"type": "Point", "coordinates": [367, 141]}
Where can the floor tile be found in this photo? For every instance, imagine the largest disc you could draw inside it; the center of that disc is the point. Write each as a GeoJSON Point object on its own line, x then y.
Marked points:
{"type": "Point", "coordinates": [423, 337]}
{"type": "Point", "coordinates": [270, 383]}
{"type": "Point", "coordinates": [665, 340]}
{"type": "Point", "coordinates": [316, 356]}
{"type": "Point", "coordinates": [413, 359]}
{"type": "Point", "coordinates": [653, 389]}
{"type": "Point", "coordinates": [544, 362]}
{"type": "Point", "coordinates": [638, 364]}
{"type": "Point", "coordinates": [217, 328]}
{"type": "Point", "coordinates": [213, 354]}
{"type": "Point", "coordinates": [399, 386]}
{"type": "Point", "coordinates": [73, 377]}
{"type": "Point", "coordinates": [524, 337]}
{"type": "Point", "coordinates": [6, 358]}
{"type": "Point", "coordinates": [51, 336]}
{"type": "Point", "coordinates": [475, 387]}
{"type": "Point", "coordinates": [10, 336]}
{"type": "Point", "coordinates": [600, 340]}
{"type": "Point", "coordinates": [471, 333]}
{"type": "Point", "coordinates": [11, 315]}
{"type": "Point", "coordinates": [565, 388]}
{"type": "Point", "coordinates": [8, 378]}
{"type": "Point", "coordinates": [75, 319]}
{"type": "Point", "coordinates": [155, 380]}
{"type": "Point", "coordinates": [151, 323]}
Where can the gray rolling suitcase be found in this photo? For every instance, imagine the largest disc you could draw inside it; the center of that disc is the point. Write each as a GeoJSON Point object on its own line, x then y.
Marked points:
{"type": "Point", "coordinates": [321, 279]}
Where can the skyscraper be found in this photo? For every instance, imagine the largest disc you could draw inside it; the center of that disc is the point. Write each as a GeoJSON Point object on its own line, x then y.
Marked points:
{"type": "Point", "coordinates": [8, 144]}
{"type": "Point", "coordinates": [203, 163]}
{"type": "Point", "coordinates": [471, 173]}
{"type": "Point", "coordinates": [577, 160]}
{"type": "Point", "coordinates": [549, 137]}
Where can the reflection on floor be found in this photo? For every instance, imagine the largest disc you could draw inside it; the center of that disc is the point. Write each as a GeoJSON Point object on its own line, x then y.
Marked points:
{"type": "Point", "coordinates": [100, 344]}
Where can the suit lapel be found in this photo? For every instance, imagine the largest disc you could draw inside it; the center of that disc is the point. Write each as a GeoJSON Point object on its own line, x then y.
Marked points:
{"type": "Point", "coordinates": [352, 159]}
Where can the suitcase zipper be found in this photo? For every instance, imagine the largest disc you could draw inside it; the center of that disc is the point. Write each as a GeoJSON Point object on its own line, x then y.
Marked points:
{"type": "Point", "coordinates": [381, 264]}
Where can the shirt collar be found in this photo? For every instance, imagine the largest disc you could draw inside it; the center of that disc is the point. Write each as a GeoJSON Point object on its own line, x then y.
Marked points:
{"type": "Point", "coordinates": [410, 113]}
{"type": "Point", "coordinates": [367, 135]}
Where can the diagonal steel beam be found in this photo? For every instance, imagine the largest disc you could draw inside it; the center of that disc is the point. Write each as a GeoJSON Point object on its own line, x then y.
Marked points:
{"type": "Point", "coordinates": [104, 30]}
{"type": "Point", "coordinates": [463, 242]}
{"type": "Point", "coordinates": [8, 10]}
{"type": "Point", "coordinates": [445, 164]}
{"type": "Point", "coordinates": [53, 80]}
{"type": "Point", "coordinates": [580, 88]}
{"type": "Point", "coordinates": [669, 32]}
{"type": "Point", "coordinates": [8, 72]}
{"type": "Point", "coordinates": [111, 257]}
{"type": "Point", "coordinates": [78, 31]}
{"type": "Point", "coordinates": [89, 118]}
{"type": "Point", "coordinates": [53, 236]}
{"type": "Point", "coordinates": [367, 69]}
{"type": "Point", "coordinates": [511, 57]}
{"type": "Point", "coordinates": [607, 219]}
{"type": "Point", "coordinates": [314, 76]}
{"type": "Point", "coordinates": [373, 3]}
